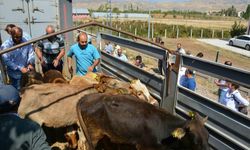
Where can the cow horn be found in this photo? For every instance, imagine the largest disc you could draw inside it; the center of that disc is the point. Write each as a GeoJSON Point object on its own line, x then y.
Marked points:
{"type": "Point", "coordinates": [191, 114]}
{"type": "Point", "coordinates": [178, 133]}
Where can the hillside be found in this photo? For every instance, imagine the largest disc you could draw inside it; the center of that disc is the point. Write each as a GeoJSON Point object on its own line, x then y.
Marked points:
{"type": "Point", "coordinates": [197, 5]}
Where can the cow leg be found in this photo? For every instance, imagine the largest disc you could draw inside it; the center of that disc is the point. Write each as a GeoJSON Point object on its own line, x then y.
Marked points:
{"type": "Point", "coordinates": [71, 137]}
{"type": "Point", "coordinates": [96, 135]}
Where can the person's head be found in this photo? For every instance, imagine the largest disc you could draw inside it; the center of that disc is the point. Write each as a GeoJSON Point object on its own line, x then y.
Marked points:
{"type": "Point", "coordinates": [178, 45]}
{"type": "Point", "coordinates": [9, 27]}
{"type": "Point", "coordinates": [157, 39]}
{"type": "Point", "coordinates": [16, 35]}
{"type": "Point", "coordinates": [138, 60]}
{"type": "Point", "coordinates": [189, 73]}
{"type": "Point", "coordinates": [50, 29]}
{"type": "Point", "coordinates": [200, 55]}
{"type": "Point", "coordinates": [229, 63]}
{"type": "Point", "coordinates": [82, 39]}
{"type": "Point", "coordinates": [9, 99]}
{"type": "Point", "coordinates": [119, 51]}
{"type": "Point", "coordinates": [162, 43]}
{"type": "Point", "coordinates": [233, 86]}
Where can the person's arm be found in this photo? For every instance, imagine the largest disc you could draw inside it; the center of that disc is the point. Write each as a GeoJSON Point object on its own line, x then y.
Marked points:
{"type": "Point", "coordinates": [31, 57]}
{"type": "Point", "coordinates": [96, 62]}
{"type": "Point", "coordinates": [69, 60]}
{"type": "Point", "coordinates": [241, 99]}
{"type": "Point", "coordinates": [38, 50]}
{"type": "Point", "coordinates": [12, 65]}
{"type": "Point", "coordinates": [59, 57]}
{"type": "Point", "coordinates": [219, 83]}
{"type": "Point", "coordinates": [61, 54]}
{"type": "Point", "coordinates": [97, 58]}
{"type": "Point", "coordinates": [39, 140]}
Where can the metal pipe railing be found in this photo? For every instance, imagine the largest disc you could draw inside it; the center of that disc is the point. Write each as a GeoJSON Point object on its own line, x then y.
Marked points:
{"type": "Point", "coordinates": [78, 27]}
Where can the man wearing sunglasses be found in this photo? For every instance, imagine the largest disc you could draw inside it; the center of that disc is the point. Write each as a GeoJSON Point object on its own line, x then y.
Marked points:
{"type": "Point", "coordinates": [20, 60]}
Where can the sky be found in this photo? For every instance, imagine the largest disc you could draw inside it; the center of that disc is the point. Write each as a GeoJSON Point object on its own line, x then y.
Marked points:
{"type": "Point", "coordinates": [153, 1]}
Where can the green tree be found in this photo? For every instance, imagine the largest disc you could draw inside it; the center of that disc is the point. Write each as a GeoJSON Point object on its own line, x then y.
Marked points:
{"type": "Point", "coordinates": [246, 15]}
{"type": "Point", "coordinates": [231, 11]}
{"type": "Point", "coordinates": [101, 8]}
{"type": "Point", "coordinates": [116, 10]}
{"type": "Point", "coordinates": [237, 29]}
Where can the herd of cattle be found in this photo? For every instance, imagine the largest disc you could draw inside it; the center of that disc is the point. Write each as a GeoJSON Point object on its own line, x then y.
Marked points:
{"type": "Point", "coordinates": [101, 112]}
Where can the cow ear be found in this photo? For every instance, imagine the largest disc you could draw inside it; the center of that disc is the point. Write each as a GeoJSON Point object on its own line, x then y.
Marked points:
{"type": "Point", "coordinates": [204, 120]}
{"type": "Point", "coordinates": [178, 133]}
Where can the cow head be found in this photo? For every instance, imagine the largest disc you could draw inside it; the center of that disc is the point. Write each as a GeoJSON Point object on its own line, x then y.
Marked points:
{"type": "Point", "coordinates": [31, 77]}
{"type": "Point", "coordinates": [193, 135]}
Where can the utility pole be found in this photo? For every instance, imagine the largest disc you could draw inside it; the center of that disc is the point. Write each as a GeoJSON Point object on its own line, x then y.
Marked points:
{"type": "Point", "coordinates": [109, 13]}
{"type": "Point", "coordinates": [149, 25]}
{"type": "Point", "coordinates": [248, 27]}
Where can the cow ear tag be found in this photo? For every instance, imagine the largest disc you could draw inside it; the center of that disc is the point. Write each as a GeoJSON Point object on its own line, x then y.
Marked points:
{"type": "Point", "coordinates": [191, 114]}
{"type": "Point", "coordinates": [178, 133]}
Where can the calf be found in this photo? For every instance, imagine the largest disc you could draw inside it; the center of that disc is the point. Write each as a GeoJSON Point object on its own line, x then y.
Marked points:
{"type": "Point", "coordinates": [53, 76]}
{"type": "Point", "coordinates": [125, 119]}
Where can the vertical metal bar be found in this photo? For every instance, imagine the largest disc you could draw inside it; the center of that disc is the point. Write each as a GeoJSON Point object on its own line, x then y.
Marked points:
{"type": "Point", "coordinates": [149, 25]}
{"type": "Point", "coordinates": [217, 56]}
{"type": "Point", "coordinates": [28, 8]}
{"type": "Point", "coordinates": [191, 33]}
{"type": "Point", "coordinates": [2, 70]}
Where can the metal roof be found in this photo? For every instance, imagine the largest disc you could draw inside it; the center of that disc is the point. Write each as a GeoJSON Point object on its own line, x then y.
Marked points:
{"type": "Point", "coordinates": [80, 11]}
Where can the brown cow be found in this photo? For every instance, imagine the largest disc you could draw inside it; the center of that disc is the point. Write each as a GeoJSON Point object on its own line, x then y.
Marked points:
{"type": "Point", "coordinates": [127, 120]}
{"type": "Point", "coordinates": [53, 76]}
{"type": "Point", "coordinates": [31, 77]}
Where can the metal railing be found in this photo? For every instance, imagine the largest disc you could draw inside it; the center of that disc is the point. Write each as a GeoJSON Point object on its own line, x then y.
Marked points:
{"type": "Point", "coordinates": [227, 129]}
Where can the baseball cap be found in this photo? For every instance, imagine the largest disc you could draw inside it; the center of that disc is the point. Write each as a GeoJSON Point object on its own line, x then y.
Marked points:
{"type": "Point", "coordinates": [9, 97]}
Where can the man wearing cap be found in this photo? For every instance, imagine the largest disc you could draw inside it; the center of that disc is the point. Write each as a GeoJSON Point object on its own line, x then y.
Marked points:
{"type": "Point", "coordinates": [17, 133]}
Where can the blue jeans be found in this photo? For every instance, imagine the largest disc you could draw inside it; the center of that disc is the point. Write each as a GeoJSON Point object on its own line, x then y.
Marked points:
{"type": "Point", "coordinates": [222, 96]}
{"type": "Point", "coordinates": [15, 83]}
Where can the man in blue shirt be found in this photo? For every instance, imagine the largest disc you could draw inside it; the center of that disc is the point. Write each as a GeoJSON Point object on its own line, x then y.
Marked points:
{"type": "Point", "coordinates": [10, 26]}
{"type": "Point", "coordinates": [87, 56]}
{"type": "Point", "coordinates": [189, 80]}
{"type": "Point", "coordinates": [20, 60]}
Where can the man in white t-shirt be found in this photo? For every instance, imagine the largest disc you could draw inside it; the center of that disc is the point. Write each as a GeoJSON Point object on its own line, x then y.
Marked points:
{"type": "Point", "coordinates": [179, 49]}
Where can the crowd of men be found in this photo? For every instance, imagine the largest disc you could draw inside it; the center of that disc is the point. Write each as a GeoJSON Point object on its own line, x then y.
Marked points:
{"type": "Point", "coordinates": [50, 53]}
{"type": "Point", "coordinates": [17, 133]}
